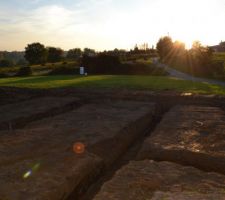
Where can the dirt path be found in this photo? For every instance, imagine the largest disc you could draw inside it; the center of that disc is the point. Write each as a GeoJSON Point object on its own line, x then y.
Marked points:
{"type": "Point", "coordinates": [175, 73]}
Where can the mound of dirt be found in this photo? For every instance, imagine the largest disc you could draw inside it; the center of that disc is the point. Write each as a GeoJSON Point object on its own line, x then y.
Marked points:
{"type": "Point", "coordinates": [190, 135]}
{"type": "Point", "coordinates": [141, 180]}
{"type": "Point", "coordinates": [13, 95]}
{"type": "Point", "coordinates": [19, 114]}
{"type": "Point", "coordinates": [50, 158]}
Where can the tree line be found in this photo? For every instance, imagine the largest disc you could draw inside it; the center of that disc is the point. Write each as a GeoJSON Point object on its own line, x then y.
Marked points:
{"type": "Point", "coordinates": [197, 61]}
{"type": "Point", "coordinates": [37, 53]}
{"type": "Point", "coordinates": [8, 59]}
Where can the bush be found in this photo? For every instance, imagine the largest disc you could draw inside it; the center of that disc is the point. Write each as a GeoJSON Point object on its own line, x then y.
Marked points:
{"type": "Point", "coordinates": [105, 64]}
{"type": "Point", "coordinates": [65, 70]}
{"type": "Point", "coordinates": [22, 63]}
{"type": "Point", "coordinates": [6, 63]}
{"type": "Point", "coordinates": [2, 75]}
{"type": "Point", "coordinates": [217, 69]}
{"type": "Point", "coordinates": [101, 64]}
{"type": "Point", "coordinates": [24, 71]}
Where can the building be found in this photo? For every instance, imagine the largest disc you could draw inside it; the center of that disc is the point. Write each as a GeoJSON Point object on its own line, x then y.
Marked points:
{"type": "Point", "coordinates": [219, 48]}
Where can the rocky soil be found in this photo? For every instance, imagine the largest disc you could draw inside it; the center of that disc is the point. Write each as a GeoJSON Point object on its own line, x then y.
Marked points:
{"type": "Point", "coordinates": [51, 157]}
{"type": "Point", "coordinates": [190, 135]}
{"type": "Point", "coordinates": [147, 179]}
{"type": "Point", "coordinates": [64, 144]}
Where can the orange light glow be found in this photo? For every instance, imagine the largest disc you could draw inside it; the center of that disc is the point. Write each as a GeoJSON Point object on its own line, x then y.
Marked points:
{"type": "Point", "coordinates": [78, 148]}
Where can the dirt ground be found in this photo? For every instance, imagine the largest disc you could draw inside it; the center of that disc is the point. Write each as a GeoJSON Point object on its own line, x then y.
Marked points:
{"type": "Point", "coordinates": [141, 180]}
{"type": "Point", "coordinates": [57, 143]}
{"type": "Point", "coordinates": [54, 155]}
{"type": "Point", "coordinates": [18, 114]}
{"type": "Point", "coordinates": [190, 135]}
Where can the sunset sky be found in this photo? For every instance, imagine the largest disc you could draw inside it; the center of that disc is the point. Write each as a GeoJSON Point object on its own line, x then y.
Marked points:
{"type": "Point", "coordinates": [109, 24]}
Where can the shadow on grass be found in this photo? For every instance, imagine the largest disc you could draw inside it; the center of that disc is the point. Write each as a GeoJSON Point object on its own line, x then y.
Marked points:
{"type": "Point", "coordinates": [37, 79]}
{"type": "Point", "coordinates": [154, 83]}
{"type": "Point", "coordinates": [52, 81]}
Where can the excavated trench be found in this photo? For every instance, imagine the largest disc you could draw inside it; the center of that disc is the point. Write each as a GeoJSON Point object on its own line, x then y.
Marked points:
{"type": "Point", "coordinates": [91, 184]}
{"type": "Point", "coordinates": [123, 123]}
{"type": "Point", "coordinates": [20, 122]}
{"type": "Point", "coordinates": [94, 185]}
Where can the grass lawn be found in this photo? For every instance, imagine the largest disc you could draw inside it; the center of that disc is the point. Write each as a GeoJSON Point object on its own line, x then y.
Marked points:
{"type": "Point", "coordinates": [155, 83]}
{"type": "Point", "coordinates": [36, 68]}
{"type": "Point", "coordinates": [219, 56]}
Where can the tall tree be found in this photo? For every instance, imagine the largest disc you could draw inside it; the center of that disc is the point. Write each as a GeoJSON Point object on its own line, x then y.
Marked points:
{"type": "Point", "coordinates": [165, 48]}
{"type": "Point", "coordinates": [201, 59]}
{"type": "Point", "coordinates": [36, 53]}
{"type": "Point", "coordinates": [74, 54]}
{"type": "Point", "coordinates": [89, 52]}
{"type": "Point", "coordinates": [54, 54]}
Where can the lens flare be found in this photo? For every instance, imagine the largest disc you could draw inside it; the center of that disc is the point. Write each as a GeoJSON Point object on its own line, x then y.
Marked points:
{"type": "Point", "coordinates": [29, 173]}
{"type": "Point", "coordinates": [35, 167]}
{"type": "Point", "coordinates": [78, 148]}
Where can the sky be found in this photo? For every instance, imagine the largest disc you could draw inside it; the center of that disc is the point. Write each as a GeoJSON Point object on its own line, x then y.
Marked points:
{"type": "Point", "coordinates": [109, 24]}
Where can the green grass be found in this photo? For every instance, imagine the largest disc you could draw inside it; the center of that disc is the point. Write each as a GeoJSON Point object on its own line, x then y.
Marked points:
{"type": "Point", "coordinates": [108, 81]}
{"type": "Point", "coordinates": [9, 69]}
{"type": "Point", "coordinates": [37, 68]}
{"type": "Point", "coordinates": [148, 61]}
{"type": "Point", "coordinates": [219, 56]}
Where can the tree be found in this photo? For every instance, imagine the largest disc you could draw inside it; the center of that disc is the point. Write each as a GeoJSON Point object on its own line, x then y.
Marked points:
{"type": "Point", "coordinates": [54, 54]}
{"type": "Point", "coordinates": [201, 54]}
{"type": "Point", "coordinates": [24, 71]}
{"type": "Point", "coordinates": [222, 44]}
{"type": "Point", "coordinates": [101, 64]}
{"type": "Point", "coordinates": [22, 62]}
{"type": "Point", "coordinates": [179, 47]}
{"type": "Point", "coordinates": [165, 48]}
{"type": "Point", "coordinates": [136, 50]}
{"type": "Point", "coordinates": [36, 53]}
{"type": "Point", "coordinates": [74, 54]}
{"type": "Point", "coordinates": [1, 55]}
{"type": "Point", "coordinates": [201, 58]}
{"type": "Point", "coordinates": [89, 52]}
{"type": "Point", "coordinates": [6, 63]}
{"type": "Point", "coordinates": [178, 58]}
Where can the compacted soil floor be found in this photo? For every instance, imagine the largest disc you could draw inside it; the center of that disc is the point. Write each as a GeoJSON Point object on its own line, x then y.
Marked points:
{"type": "Point", "coordinates": [109, 144]}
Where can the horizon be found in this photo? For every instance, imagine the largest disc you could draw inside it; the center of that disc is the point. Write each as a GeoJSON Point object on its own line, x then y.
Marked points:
{"type": "Point", "coordinates": [109, 24]}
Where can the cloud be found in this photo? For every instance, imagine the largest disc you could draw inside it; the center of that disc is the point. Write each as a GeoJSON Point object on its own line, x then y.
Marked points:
{"type": "Point", "coordinates": [54, 24]}
{"type": "Point", "coordinates": [53, 17]}
{"type": "Point", "coordinates": [107, 23]}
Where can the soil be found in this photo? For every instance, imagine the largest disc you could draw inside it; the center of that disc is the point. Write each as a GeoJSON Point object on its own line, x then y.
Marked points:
{"type": "Point", "coordinates": [66, 143]}
{"type": "Point", "coordinates": [190, 135]}
{"type": "Point", "coordinates": [141, 180]}
{"type": "Point", "coordinates": [19, 114]}
{"type": "Point", "coordinates": [105, 129]}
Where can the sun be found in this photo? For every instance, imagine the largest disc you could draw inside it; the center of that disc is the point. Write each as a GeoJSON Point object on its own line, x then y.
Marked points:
{"type": "Point", "coordinates": [185, 35]}
{"type": "Point", "coordinates": [188, 41]}
{"type": "Point", "coordinates": [184, 21]}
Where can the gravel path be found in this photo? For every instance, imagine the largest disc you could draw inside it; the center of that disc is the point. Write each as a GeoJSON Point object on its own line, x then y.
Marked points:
{"type": "Point", "coordinates": [175, 73]}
